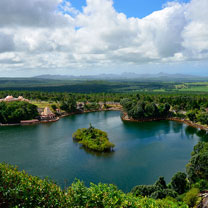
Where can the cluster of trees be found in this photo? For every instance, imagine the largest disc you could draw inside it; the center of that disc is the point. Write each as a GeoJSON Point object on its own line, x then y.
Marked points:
{"type": "Point", "coordinates": [139, 109]}
{"type": "Point", "coordinates": [93, 139]}
{"type": "Point", "coordinates": [198, 116]}
{"type": "Point", "coordinates": [197, 168]}
{"type": "Point", "coordinates": [69, 104]}
{"type": "Point", "coordinates": [92, 106]}
{"type": "Point", "coordinates": [14, 112]}
{"type": "Point", "coordinates": [18, 189]}
{"type": "Point", "coordinates": [160, 189]}
{"type": "Point", "coordinates": [59, 96]}
{"type": "Point", "coordinates": [141, 106]}
{"type": "Point", "coordinates": [184, 188]}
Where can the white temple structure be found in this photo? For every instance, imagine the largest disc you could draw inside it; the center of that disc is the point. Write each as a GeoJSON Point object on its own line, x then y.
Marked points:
{"type": "Point", "coordinates": [10, 98]}
{"type": "Point", "coordinates": [47, 114]}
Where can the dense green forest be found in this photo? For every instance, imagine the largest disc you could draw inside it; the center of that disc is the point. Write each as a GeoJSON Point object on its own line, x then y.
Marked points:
{"type": "Point", "coordinates": [191, 107]}
{"type": "Point", "coordinates": [138, 105]}
{"type": "Point", "coordinates": [162, 84]}
{"type": "Point", "coordinates": [93, 139]}
{"type": "Point", "coordinates": [14, 112]}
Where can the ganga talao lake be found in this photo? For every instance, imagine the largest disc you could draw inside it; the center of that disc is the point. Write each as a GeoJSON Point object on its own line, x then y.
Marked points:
{"type": "Point", "coordinates": [144, 151]}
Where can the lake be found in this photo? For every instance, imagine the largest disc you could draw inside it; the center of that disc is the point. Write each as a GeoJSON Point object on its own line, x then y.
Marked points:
{"type": "Point", "coordinates": [143, 152]}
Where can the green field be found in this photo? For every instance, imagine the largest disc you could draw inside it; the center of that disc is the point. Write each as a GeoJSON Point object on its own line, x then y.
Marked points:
{"type": "Point", "coordinates": [97, 86]}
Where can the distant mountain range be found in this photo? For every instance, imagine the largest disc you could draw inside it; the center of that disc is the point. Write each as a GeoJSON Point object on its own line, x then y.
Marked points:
{"type": "Point", "coordinates": [123, 76]}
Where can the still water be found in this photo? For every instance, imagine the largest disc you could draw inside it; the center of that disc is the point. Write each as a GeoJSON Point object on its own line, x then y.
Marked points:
{"type": "Point", "coordinates": [143, 152]}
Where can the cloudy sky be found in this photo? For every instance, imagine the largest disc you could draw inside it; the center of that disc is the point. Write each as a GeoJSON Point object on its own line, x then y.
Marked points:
{"type": "Point", "coordinates": [103, 36]}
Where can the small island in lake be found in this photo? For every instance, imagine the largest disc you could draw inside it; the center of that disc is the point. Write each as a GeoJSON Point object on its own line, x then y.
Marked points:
{"type": "Point", "coordinates": [93, 139]}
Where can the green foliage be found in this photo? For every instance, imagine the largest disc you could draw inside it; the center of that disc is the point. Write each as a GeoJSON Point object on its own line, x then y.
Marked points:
{"type": "Point", "coordinates": [179, 182]}
{"type": "Point", "coordinates": [54, 107]}
{"type": "Point", "coordinates": [18, 189]}
{"type": "Point", "coordinates": [191, 115]}
{"type": "Point", "coordinates": [191, 197]}
{"type": "Point", "coordinates": [201, 185]}
{"type": "Point", "coordinates": [22, 190]}
{"type": "Point", "coordinates": [144, 190]}
{"type": "Point", "coordinates": [202, 117]}
{"type": "Point", "coordinates": [157, 191]}
{"type": "Point", "coordinates": [144, 109]}
{"type": "Point", "coordinates": [163, 193]}
{"type": "Point", "coordinates": [69, 104]}
{"type": "Point", "coordinates": [197, 168]}
{"type": "Point", "coordinates": [14, 112]}
{"type": "Point", "coordinates": [160, 183]}
{"type": "Point", "coordinates": [92, 106]}
{"type": "Point", "coordinates": [93, 139]}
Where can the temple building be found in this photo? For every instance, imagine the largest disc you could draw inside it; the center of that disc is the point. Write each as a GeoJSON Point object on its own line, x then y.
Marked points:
{"type": "Point", "coordinates": [10, 98]}
{"type": "Point", "coordinates": [47, 114]}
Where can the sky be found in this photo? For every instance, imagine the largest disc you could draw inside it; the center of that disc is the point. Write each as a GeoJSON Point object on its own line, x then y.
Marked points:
{"type": "Point", "coordinates": [81, 37]}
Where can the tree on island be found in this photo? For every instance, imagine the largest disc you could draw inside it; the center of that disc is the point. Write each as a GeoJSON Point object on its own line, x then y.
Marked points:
{"type": "Point", "coordinates": [93, 139]}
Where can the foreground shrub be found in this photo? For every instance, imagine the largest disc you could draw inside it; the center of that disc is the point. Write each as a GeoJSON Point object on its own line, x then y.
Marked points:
{"type": "Point", "coordinates": [157, 191]}
{"type": "Point", "coordinates": [197, 168]}
{"type": "Point", "coordinates": [179, 183]}
{"type": "Point", "coordinates": [18, 189]}
{"type": "Point", "coordinates": [201, 185]}
{"type": "Point", "coordinates": [22, 190]}
{"type": "Point", "coordinates": [191, 197]}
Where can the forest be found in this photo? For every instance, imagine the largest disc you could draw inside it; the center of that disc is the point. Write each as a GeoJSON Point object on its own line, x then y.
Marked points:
{"type": "Point", "coordinates": [99, 85]}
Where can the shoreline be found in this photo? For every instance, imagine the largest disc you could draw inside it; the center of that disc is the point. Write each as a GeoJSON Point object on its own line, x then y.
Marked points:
{"type": "Point", "coordinates": [187, 122]}
{"type": "Point", "coordinates": [124, 117]}
{"type": "Point", "coordinates": [61, 116]}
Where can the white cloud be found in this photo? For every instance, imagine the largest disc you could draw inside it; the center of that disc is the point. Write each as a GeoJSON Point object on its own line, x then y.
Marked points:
{"type": "Point", "coordinates": [53, 34]}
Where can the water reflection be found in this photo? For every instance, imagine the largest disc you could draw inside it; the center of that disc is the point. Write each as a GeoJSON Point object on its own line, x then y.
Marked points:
{"type": "Point", "coordinates": [191, 132]}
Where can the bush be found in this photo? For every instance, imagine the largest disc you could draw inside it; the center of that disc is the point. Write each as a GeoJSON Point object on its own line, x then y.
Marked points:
{"type": "Point", "coordinates": [22, 190]}
{"type": "Point", "coordinates": [179, 182]}
{"type": "Point", "coordinates": [163, 193]}
{"type": "Point", "coordinates": [197, 168]}
{"type": "Point", "coordinates": [191, 197]}
{"type": "Point", "coordinates": [18, 189]}
{"type": "Point", "coordinates": [157, 191]}
{"type": "Point", "coordinates": [160, 183]}
{"type": "Point", "coordinates": [201, 185]}
{"type": "Point", "coordinates": [144, 190]}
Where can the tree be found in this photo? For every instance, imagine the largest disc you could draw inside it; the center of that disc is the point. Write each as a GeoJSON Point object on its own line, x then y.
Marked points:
{"type": "Point", "coordinates": [54, 107]}
{"type": "Point", "coordinates": [191, 115]}
{"type": "Point", "coordinates": [179, 182]}
{"type": "Point", "coordinates": [160, 183]}
{"type": "Point", "coordinates": [69, 104]}
{"type": "Point", "coordinates": [197, 168]}
{"type": "Point", "coordinates": [14, 112]}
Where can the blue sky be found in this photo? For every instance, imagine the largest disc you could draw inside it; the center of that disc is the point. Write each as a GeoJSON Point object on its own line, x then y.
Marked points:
{"type": "Point", "coordinates": [132, 8]}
